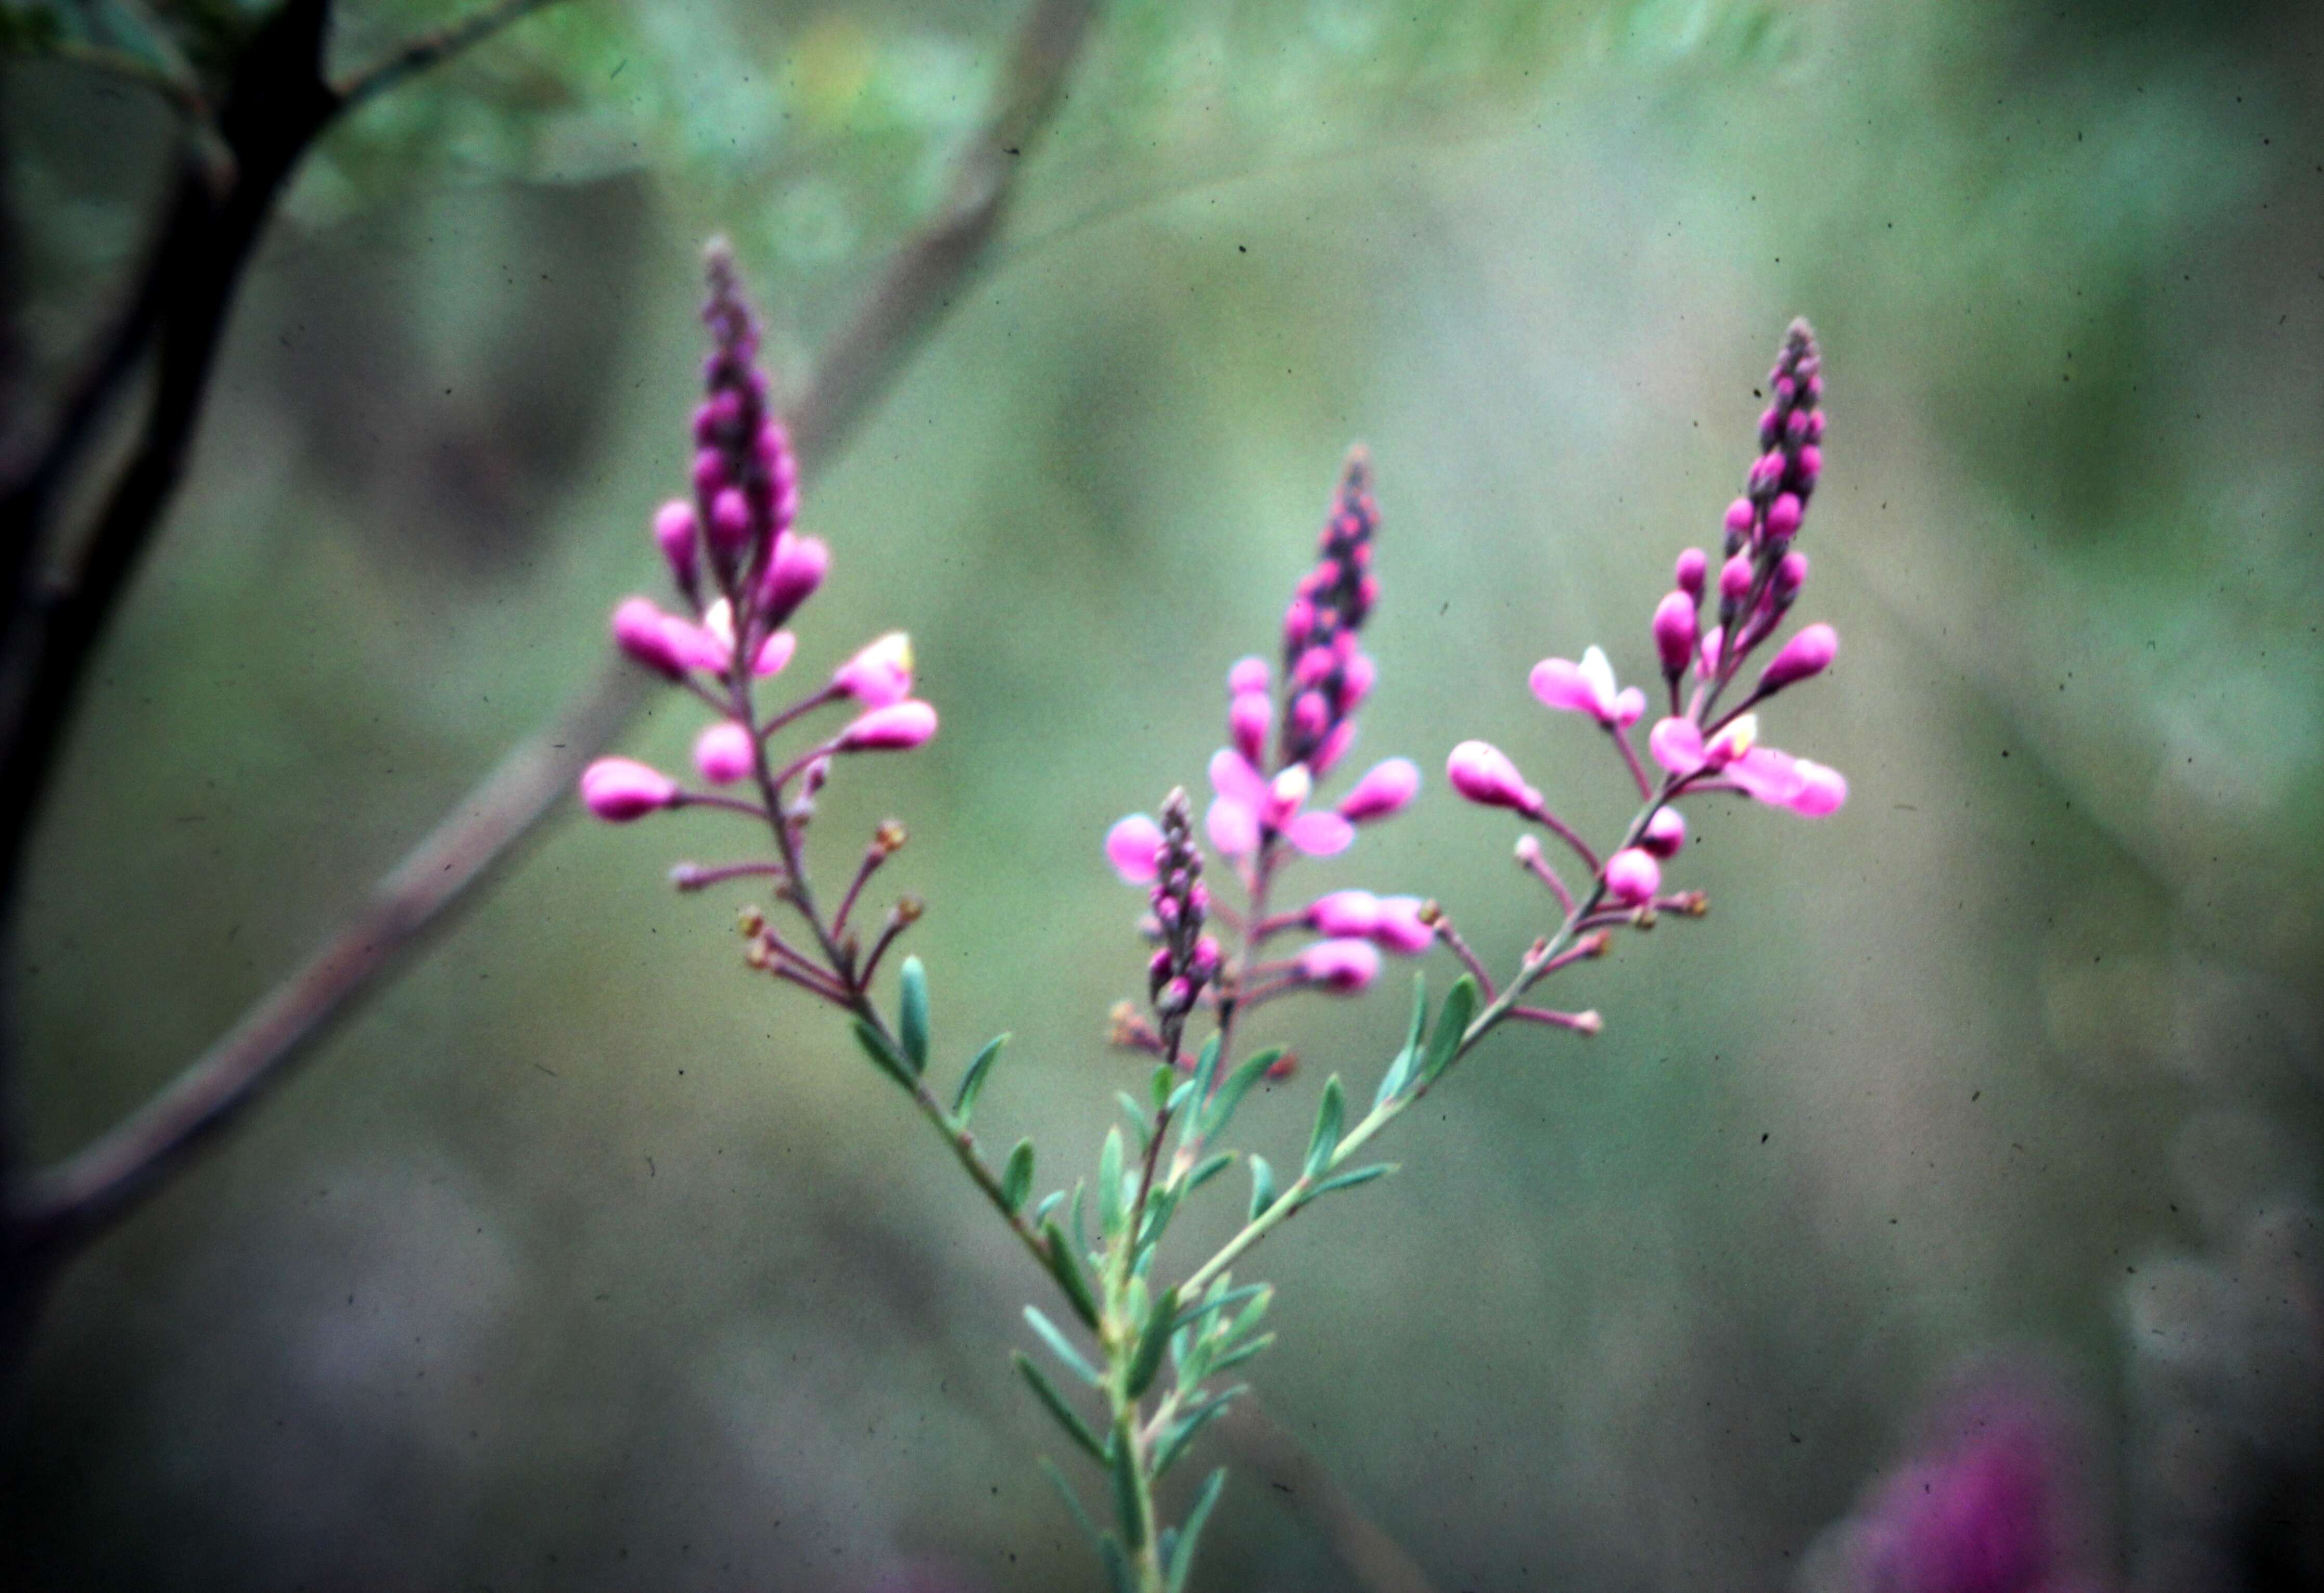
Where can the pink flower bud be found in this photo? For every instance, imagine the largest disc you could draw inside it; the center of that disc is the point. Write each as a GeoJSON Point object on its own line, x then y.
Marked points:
{"type": "Point", "coordinates": [879, 675]}
{"type": "Point", "coordinates": [643, 632]}
{"type": "Point", "coordinates": [619, 789]}
{"type": "Point", "coordinates": [1791, 575]}
{"type": "Point", "coordinates": [1805, 656]}
{"type": "Point", "coordinates": [1666, 833]}
{"type": "Point", "coordinates": [895, 728]}
{"type": "Point", "coordinates": [1249, 718]}
{"type": "Point", "coordinates": [1249, 674]}
{"type": "Point", "coordinates": [1821, 791]}
{"type": "Point", "coordinates": [1784, 516]}
{"type": "Point", "coordinates": [709, 472]}
{"type": "Point", "coordinates": [1309, 713]}
{"type": "Point", "coordinates": [1344, 912]}
{"type": "Point", "coordinates": [675, 530]}
{"type": "Point", "coordinates": [1482, 773]}
{"type": "Point", "coordinates": [1401, 929]}
{"type": "Point", "coordinates": [1692, 564]}
{"type": "Point", "coordinates": [1675, 631]}
{"type": "Point", "coordinates": [1740, 516]}
{"type": "Point", "coordinates": [1632, 876]}
{"type": "Point", "coordinates": [1335, 747]}
{"type": "Point", "coordinates": [1131, 846]}
{"type": "Point", "coordinates": [1356, 679]}
{"type": "Point", "coordinates": [723, 753]}
{"type": "Point", "coordinates": [1341, 966]}
{"type": "Point", "coordinates": [1385, 787]}
{"type": "Point", "coordinates": [730, 521]}
{"type": "Point", "coordinates": [774, 653]}
{"type": "Point", "coordinates": [1285, 796]}
{"type": "Point", "coordinates": [1811, 465]}
{"type": "Point", "coordinates": [1735, 577]}
{"type": "Point", "coordinates": [796, 569]}
{"type": "Point", "coordinates": [1298, 623]}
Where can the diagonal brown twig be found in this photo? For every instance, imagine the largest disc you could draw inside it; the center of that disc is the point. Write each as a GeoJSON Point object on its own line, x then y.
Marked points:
{"type": "Point", "coordinates": [62, 1210]}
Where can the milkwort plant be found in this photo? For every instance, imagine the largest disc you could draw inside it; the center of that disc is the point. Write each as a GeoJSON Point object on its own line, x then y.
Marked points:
{"type": "Point", "coordinates": [1150, 1354]}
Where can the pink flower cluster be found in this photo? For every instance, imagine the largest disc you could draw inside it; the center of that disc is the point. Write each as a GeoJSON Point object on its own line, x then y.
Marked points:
{"type": "Point", "coordinates": [743, 571]}
{"type": "Point", "coordinates": [1283, 740]}
{"type": "Point", "coordinates": [1699, 747]}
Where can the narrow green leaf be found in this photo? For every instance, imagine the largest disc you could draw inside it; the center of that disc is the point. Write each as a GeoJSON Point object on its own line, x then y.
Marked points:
{"type": "Point", "coordinates": [1206, 1069]}
{"type": "Point", "coordinates": [1081, 1229]}
{"type": "Point", "coordinates": [1197, 1312]}
{"type": "Point", "coordinates": [1136, 1116]}
{"type": "Point", "coordinates": [1117, 1564]}
{"type": "Point", "coordinates": [1400, 1071]}
{"type": "Point", "coordinates": [1210, 1167]}
{"type": "Point", "coordinates": [1073, 1503]}
{"type": "Point", "coordinates": [1063, 1348]}
{"type": "Point", "coordinates": [1262, 1186]}
{"type": "Point", "coordinates": [1125, 1487]}
{"type": "Point", "coordinates": [1181, 1558]}
{"type": "Point", "coordinates": [1242, 1353]}
{"type": "Point", "coordinates": [912, 1021]}
{"type": "Point", "coordinates": [1252, 1316]}
{"type": "Point", "coordinates": [1146, 1360]}
{"type": "Point", "coordinates": [1059, 1255]}
{"type": "Point", "coordinates": [1017, 1176]}
{"type": "Point", "coordinates": [1178, 1098]}
{"type": "Point", "coordinates": [1049, 1203]}
{"type": "Point", "coordinates": [1161, 1205]}
{"type": "Point", "coordinates": [1350, 1179]}
{"type": "Point", "coordinates": [1238, 1085]}
{"type": "Point", "coordinates": [1053, 1400]}
{"type": "Point", "coordinates": [875, 1045]}
{"type": "Point", "coordinates": [1451, 1023]}
{"type": "Point", "coordinates": [1160, 1083]}
{"type": "Point", "coordinates": [1113, 1212]}
{"type": "Point", "coordinates": [1325, 1139]}
{"type": "Point", "coordinates": [1182, 1432]}
{"type": "Point", "coordinates": [971, 1082]}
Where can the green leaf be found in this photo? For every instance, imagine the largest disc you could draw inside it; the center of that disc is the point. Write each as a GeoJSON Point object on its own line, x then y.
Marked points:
{"type": "Point", "coordinates": [1325, 1139]}
{"type": "Point", "coordinates": [1178, 1098]}
{"type": "Point", "coordinates": [1067, 1271]}
{"type": "Point", "coordinates": [875, 1045]}
{"type": "Point", "coordinates": [1451, 1023]}
{"type": "Point", "coordinates": [1161, 1082]}
{"type": "Point", "coordinates": [1073, 1504]}
{"type": "Point", "coordinates": [1161, 1205]}
{"type": "Point", "coordinates": [1195, 1313]}
{"type": "Point", "coordinates": [1242, 1353]}
{"type": "Point", "coordinates": [1400, 1071]}
{"type": "Point", "coordinates": [1049, 1202]}
{"type": "Point", "coordinates": [1117, 1564]}
{"type": "Point", "coordinates": [1113, 1212]}
{"type": "Point", "coordinates": [971, 1082]}
{"type": "Point", "coordinates": [1061, 1347]}
{"type": "Point", "coordinates": [1053, 1400]}
{"type": "Point", "coordinates": [1182, 1432]}
{"type": "Point", "coordinates": [1262, 1186]}
{"type": "Point", "coordinates": [1206, 1069]}
{"type": "Point", "coordinates": [1210, 1167]}
{"type": "Point", "coordinates": [1136, 1116]}
{"type": "Point", "coordinates": [1017, 1176]}
{"type": "Point", "coordinates": [1146, 1360]}
{"type": "Point", "coordinates": [1125, 1485]}
{"type": "Point", "coordinates": [912, 1021]}
{"type": "Point", "coordinates": [1350, 1179]}
{"type": "Point", "coordinates": [1181, 1558]}
{"type": "Point", "coordinates": [1238, 1085]}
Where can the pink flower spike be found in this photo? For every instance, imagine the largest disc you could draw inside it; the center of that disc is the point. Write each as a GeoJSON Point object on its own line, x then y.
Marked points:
{"type": "Point", "coordinates": [774, 653]}
{"type": "Point", "coordinates": [675, 531]}
{"type": "Point", "coordinates": [1676, 627]}
{"type": "Point", "coordinates": [1482, 773]}
{"type": "Point", "coordinates": [1387, 787]}
{"type": "Point", "coordinates": [1320, 833]}
{"type": "Point", "coordinates": [1341, 966]}
{"type": "Point", "coordinates": [643, 632]}
{"type": "Point", "coordinates": [1632, 876]}
{"type": "Point", "coordinates": [619, 789]}
{"type": "Point", "coordinates": [879, 675]}
{"type": "Point", "coordinates": [1401, 929]}
{"type": "Point", "coordinates": [1666, 833]}
{"type": "Point", "coordinates": [1676, 745]}
{"type": "Point", "coordinates": [896, 728]}
{"type": "Point", "coordinates": [1131, 846]}
{"type": "Point", "coordinates": [1345, 913]}
{"type": "Point", "coordinates": [1249, 718]}
{"type": "Point", "coordinates": [1586, 687]}
{"type": "Point", "coordinates": [1804, 657]}
{"type": "Point", "coordinates": [723, 753]}
{"type": "Point", "coordinates": [794, 571]}
{"type": "Point", "coordinates": [1249, 674]}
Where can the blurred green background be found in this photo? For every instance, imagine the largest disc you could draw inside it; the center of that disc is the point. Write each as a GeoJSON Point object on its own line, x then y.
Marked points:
{"type": "Point", "coordinates": [583, 1260]}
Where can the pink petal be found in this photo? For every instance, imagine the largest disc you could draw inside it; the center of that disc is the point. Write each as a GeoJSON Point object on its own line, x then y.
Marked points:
{"type": "Point", "coordinates": [1629, 707]}
{"type": "Point", "coordinates": [1559, 684]}
{"type": "Point", "coordinates": [1345, 913]}
{"type": "Point", "coordinates": [1131, 846]}
{"type": "Point", "coordinates": [1767, 775]}
{"type": "Point", "coordinates": [1233, 778]}
{"type": "Point", "coordinates": [1821, 791]}
{"type": "Point", "coordinates": [1320, 833]}
{"type": "Point", "coordinates": [1401, 928]}
{"type": "Point", "coordinates": [1233, 827]}
{"type": "Point", "coordinates": [774, 653]}
{"type": "Point", "coordinates": [1384, 788]}
{"type": "Point", "coordinates": [1677, 745]}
